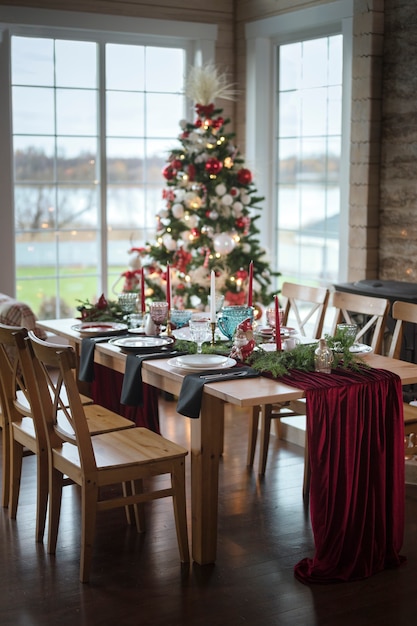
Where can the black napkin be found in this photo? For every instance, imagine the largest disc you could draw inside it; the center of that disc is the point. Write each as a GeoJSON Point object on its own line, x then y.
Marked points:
{"type": "Point", "coordinates": [132, 392]}
{"type": "Point", "coordinates": [189, 400]}
{"type": "Point", "coordinates": [86, 368]}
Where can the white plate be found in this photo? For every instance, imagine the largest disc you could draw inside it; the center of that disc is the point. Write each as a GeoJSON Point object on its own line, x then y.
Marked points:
{"type": "Point", "coordinates": [202, 360]}
{"type": "Point", "coordinates": [204, 365]}
{"type": "Point", "coordinates": [92, 329]}
{"type": "Point", "coordinates": [360, 348]}
{"type": "Point", "coordinates": [141, 343]}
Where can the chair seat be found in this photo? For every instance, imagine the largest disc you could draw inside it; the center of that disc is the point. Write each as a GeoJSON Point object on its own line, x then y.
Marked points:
{"type": "Point", "coordinates": [101, 420]}
{"type": "Point", "coordinates": [121, 449]}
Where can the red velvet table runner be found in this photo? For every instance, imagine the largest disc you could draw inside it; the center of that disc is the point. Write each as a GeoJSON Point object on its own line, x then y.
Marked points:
{"type": "Point", "coordinates": [106, 389]}
{"type": "Point", "coordinates": [355, 433]}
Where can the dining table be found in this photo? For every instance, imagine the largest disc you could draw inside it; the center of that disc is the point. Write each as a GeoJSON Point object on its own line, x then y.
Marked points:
{"type": "Point", "coordinates": [206, 440]}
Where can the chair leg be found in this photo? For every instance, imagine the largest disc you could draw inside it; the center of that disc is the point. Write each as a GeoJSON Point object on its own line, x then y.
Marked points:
{"type": "Point", "coordinates": [253, 435]}
{"type": "Point", "coordinates": [42, 494]}
{"type": "Point", "coordinates": [55, 498]}
{"type": "Point", "coordinates": [15, 472]}
{"type": "Point", "coordinates": [139, 507]}
{"type": "Point", "coordinates": [266, 413]}
{"type": "Point", "coordinates": [89, 499]}
{"type": "Point", "coordinates": [5, 464]}
{"type": "Point", "coordinates": [180, 508]}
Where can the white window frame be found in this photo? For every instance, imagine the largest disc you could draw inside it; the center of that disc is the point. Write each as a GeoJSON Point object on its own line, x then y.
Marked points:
{"type": "Point", "coordinates": [263, 37]}
{"type": "Point", "coordinates": [198, 39]}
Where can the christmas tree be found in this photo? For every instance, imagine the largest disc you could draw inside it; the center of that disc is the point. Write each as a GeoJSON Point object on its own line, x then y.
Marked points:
{"type": "Point", "coordinates": [211, 206]}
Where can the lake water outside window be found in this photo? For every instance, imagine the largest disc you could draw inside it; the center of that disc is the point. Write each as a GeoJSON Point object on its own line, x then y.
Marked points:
{"type": "Point", "coordinates": [308, 147]}
{"type": "Point", "coordinates": [93, 124]}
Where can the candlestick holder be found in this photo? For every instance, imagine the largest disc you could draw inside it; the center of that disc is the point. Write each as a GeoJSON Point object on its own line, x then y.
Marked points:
{"type": "Point", "coordinates": [168, 326]}
{"type": "Point", "coordinates": [213, 331]}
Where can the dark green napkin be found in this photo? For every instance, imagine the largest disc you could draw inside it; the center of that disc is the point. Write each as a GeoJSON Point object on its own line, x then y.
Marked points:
{"type": "Point", "coordinates": [189, 400]}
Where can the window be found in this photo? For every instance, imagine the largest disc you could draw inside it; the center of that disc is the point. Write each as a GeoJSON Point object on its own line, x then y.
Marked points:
{"type": "Point", "coordinates": [93, 118]}
{"type": "Point", "coordinates": [308, 149]}
{"type": "Point", "coordinates": [298, 137]}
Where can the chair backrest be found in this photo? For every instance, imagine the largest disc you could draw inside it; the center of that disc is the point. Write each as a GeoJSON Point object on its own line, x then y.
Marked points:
{"type": "Point", "coordinates": [368, 312]}
{"type": "Point", "coordinates": [401, 312]}
{"type": "Point", "coordinates": [61, 395]}
{"type": "Point", "coordinates": [14, 397]}
{"type": "Point", "coordinates": [306, 305]}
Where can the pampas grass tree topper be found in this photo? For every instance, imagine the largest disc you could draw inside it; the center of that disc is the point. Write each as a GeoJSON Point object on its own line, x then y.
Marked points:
{"type": "Point", "coordinates": [205, 84]}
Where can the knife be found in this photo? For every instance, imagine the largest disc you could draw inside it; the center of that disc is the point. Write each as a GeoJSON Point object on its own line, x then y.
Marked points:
{"type": "Point", "coordinates": [225, 375]}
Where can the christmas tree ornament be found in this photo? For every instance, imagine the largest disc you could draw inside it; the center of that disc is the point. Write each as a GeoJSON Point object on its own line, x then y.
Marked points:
{"type": "Point", "coordinates": [213, 165]}
{"type": "Point", "coordinates": [177, 210]}
{"type": "Point", "coordinates": [223, 243]}
{"type": "Point", "coordinates": [244, 176]}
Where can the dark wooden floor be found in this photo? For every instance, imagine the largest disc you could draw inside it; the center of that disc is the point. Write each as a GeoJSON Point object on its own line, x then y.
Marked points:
{"type": "Point", "coordinates": [138, 580]}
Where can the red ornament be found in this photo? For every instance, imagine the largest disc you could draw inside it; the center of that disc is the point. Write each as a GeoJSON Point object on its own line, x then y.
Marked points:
{"type": "Point", "coordinates": [244, 176]}
{"type": "Point", "coordinates": [242, 274]}
{"type": "Point", "coordinates": [213, 165]}
{"type": "Point", "coordinates": [198, 123]}
{"type": "Point", "coordinates": [240, 223]}
{"type": "Point", "coordinates": [176, 164]}
{"type": "Point", "coordinates": [168, 172]}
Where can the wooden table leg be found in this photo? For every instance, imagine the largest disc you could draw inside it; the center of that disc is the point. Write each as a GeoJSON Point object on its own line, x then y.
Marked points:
{"type": "Point", "coordinates": [206, 449]}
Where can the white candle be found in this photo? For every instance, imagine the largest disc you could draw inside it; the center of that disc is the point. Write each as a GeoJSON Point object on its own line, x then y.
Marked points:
{"type": "Point", "coordinates": [212, 298]}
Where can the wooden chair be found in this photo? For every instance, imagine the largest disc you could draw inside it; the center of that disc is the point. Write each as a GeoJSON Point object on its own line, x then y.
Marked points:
{"type": "Point", "coordinates": [304, 306]}
{"type": "Point", "coordinates": [22, 434]}
{"type": "Point", "coordinates": [123, 457]}
{"type": "Point", "coordinates": [368, 312]}
{"type": "Point", "coordinates": [404, 312]}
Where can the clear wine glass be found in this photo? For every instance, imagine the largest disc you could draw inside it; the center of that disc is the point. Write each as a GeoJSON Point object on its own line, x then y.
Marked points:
{"type": "Point", "coordinates": [159, 313]}
{"type": "Point", "coordinates": [199, 329]}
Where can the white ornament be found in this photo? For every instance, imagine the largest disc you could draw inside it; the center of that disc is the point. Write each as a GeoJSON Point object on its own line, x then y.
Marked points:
{"type": "Point", "coordinates": [177, 210]}
{"type": "Point", "coordinates": [169, 242]}
{"type": "Point", "coordinates": [185, 238]}
{"type": "Point", "coordinates": [245, 198]}
{"type": "Point", "coordinates": [220, 189]}
{"type": "Point", "coordinates": [163, 213]}
{"type": "Point", "coordinates": [223, 243]}
{"type": "Point", "coordinates": [227, 200]}
{"type": "Point", "coordinates": [237, 209]}
{"type": "Point", "coordinates": [192, 221]}
{"type": "Point", "coordinates": [179, 195]}
{"type": "Point", "coordinates": [213, 215]}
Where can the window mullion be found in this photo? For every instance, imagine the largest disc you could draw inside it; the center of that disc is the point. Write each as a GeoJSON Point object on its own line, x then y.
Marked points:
{"type": "Point", "coordinates": [102, 166]}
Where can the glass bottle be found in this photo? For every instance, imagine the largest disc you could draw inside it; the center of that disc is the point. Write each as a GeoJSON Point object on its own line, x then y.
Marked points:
{"type": "Point", "coordinates": [323, 358]}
